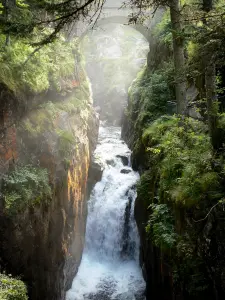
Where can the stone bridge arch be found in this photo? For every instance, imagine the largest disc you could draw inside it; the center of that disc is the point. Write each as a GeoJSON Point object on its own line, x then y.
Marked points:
{"type": "Point", "coordinates": [123, 20]}
{"type": "Point", "coordinates": [109, 15]}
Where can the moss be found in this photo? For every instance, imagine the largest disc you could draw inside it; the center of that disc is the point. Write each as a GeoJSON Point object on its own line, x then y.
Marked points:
{"type": "Point", "coordinates": [70, 106]}
{"type": "Point", "coordinates": [12, 289]}
{"type": "Point", "coordinates": [24, 187]}
{"type": "Point", "coordinates": [66, 143]}
{"type": "Point", "coordinates": [30, 128]}
{"type": "Point", "coordinates": [144, 190]}
{"type": "Point", "coordinates": [43, 118]}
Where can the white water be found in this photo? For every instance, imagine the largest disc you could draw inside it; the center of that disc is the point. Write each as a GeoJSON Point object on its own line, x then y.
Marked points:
{"type": "Point", "coordinates": [109, 269]}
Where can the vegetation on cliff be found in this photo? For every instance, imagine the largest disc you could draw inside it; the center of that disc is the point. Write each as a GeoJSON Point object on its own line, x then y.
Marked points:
{"type": "Point", "coordinates": [24, 187]}
{"type": "Point", "coordinates": [12, 289]}
{"type": "Point", "coordinates": [21, 18]}
{"type": "Point", "coordinates": [184, 186]}
{"type": "Point", "coordinates": [181, 156]}
{"type": "Point", "coordinates": [45, 117]}
{"type": "Point", "coordinates": [24, 73]}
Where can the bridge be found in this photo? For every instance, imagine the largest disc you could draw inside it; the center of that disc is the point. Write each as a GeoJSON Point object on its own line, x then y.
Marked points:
{"type": "Point", "coordinates": [113, 11]}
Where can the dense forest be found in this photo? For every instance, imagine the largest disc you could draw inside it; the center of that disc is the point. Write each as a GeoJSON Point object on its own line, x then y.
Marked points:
{"type": "Point", "coordinates": [174, 123]}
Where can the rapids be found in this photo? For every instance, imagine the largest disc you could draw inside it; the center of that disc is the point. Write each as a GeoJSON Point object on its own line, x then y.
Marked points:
{"type": "Point", "coordinates": [109, 268]}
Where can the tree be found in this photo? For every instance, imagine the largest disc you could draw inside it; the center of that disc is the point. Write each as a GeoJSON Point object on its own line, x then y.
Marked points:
{"type": "Point", "coordinates": [178, 43]}
{"type": "Point", "coordinates": [44, 14]}
{"type": "Point", "coordinates": [208, 38]}
{"type": "Point", "coordinates": [178, 52]}
{"type": "Point", "coordinates": [210, 87]}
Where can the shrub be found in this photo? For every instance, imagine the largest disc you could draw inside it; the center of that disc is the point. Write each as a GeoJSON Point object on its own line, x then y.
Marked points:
{"type": "Point", "coordinates": [25, 186]}
{"type": "Point", "coordinates": [148, 96]}
{"type": "Point", "coordinates": [144, 188]}
{"type": "Point", "coordinates": [182, 151]}
{"type": "Point", "coordinates": [161, 226]}
{"type": "Point", "coordinates": [12, 289]}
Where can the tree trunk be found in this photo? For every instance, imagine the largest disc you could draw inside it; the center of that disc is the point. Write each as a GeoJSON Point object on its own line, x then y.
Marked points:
{"type": "Point", "coordinates": [179, 60]}
{"type": "Point", "coordinates": [211, 105]}
{"type": "Point", "coordinates": [210, 87]}
{"type": "Point", "coordinates": [6, 17]}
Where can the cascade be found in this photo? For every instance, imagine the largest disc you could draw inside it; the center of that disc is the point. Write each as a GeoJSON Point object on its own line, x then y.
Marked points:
{"type": "Point", "coordinates": [109, 268]}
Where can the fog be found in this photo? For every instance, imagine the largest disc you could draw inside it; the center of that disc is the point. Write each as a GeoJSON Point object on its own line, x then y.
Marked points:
{"type": "Point", "coordinates": [114, 54]}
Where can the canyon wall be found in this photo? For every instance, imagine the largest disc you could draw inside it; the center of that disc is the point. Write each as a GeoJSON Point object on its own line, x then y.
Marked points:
{"type": "Point", "coordinates": [45, 156]}
{"type": "Point", "coordinates": [179, 203]}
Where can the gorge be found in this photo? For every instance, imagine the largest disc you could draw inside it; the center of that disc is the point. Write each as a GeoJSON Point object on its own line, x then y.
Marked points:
{"type": "Point", "coordinates": [109, 268]}
{"type": "Point", "coordinates": [112, 165]}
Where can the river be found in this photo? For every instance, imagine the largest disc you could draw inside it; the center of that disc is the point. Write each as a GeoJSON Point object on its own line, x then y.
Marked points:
{"type": "Point", "coordinates": [109, 268]}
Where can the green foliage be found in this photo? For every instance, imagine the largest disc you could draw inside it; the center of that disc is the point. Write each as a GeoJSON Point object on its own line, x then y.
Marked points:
{"type": "Point", "coordinates": [71, 104]}
{"type": "Point", "coordinates": [180, 158]}
{"type": "Point", "coordinates": [161, 226]}
{"type": "Point", "coordinates": [192, 49]}
{"type": "Point", "coordinates": [184, 154]}
{"type": "Point", "coordinates": [188, 267]}
{"type": "Point", "coordinates": [184, 181]}
{"type": "Point", "coordinates": [22, 18]}
{"type": "Point", "coordinates": [164, 30]}
{"type": "Point", "coordinates": [23, 70]}
{"type": "Point", "coordinates": [12, 289]}
{"type": "Point", "coordinates": [221, 121]}
{"type": "Point", "coordinates": [145, 188]}
{"type": "Point", "coordinates": [41, 121]}
{"type": "Point", "coordinates": [66, 143]}
{"type": "Point", "coordinates": [150, 94]}
{"type": "Point", "coordinates": [45, 116]}
{"type": "Point", "coordinates": [24, 187]}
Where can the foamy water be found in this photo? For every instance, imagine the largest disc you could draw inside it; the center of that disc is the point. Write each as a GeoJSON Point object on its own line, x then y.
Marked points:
{"type": "Point", "coordinates": [110, 269]}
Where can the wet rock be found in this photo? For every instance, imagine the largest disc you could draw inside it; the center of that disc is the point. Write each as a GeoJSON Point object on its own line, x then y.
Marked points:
{"type": "Point", "coordinates": [126, 228]}
{"type": "Point", "coordinates": [105, 291]}
{"type": "Point", "coordinates": [125, 159]}
{"type": "Point", "coordinates": [94, 175]}
{"type": "Point", "coordinates": [125, 296]}
{"type": "Point", "coordinates": [110, 162]}
{"type": "Point", "coordinates": [95, 171]}
{"type": "Point", "coordinates": [125, 171]}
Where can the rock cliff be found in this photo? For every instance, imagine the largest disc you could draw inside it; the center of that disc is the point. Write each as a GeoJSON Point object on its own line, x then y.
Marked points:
{"type": "Point", "coordinates": [180, 194]}
{"type": "Point", "coordinates": [43, 219]}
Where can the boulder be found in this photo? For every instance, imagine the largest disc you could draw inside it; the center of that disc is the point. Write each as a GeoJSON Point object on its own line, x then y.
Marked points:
{"type": "Point", "coordinates": [125, 171]}
{"type": "Point", "coordinates": [110, 162]}
{"type": "Point", "coordinates": [124, 158]}
{"type": "Point", "coordinates": [94, 175]}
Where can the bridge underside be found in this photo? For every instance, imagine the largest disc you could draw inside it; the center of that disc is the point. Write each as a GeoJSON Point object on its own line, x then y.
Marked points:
{"type": "Point", "coordinates": [124, 21]}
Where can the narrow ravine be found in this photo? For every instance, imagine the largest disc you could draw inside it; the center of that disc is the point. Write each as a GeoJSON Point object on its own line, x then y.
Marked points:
{"type": "Point", "coordinates": [110, 269]}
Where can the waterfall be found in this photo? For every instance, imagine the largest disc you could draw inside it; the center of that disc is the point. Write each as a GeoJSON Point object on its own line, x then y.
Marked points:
{"type": "Point", "coordinates": [110, 269]}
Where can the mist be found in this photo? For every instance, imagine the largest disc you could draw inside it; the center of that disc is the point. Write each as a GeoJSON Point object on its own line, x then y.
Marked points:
{"type": "Point", "coordinates": [114, 54]}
